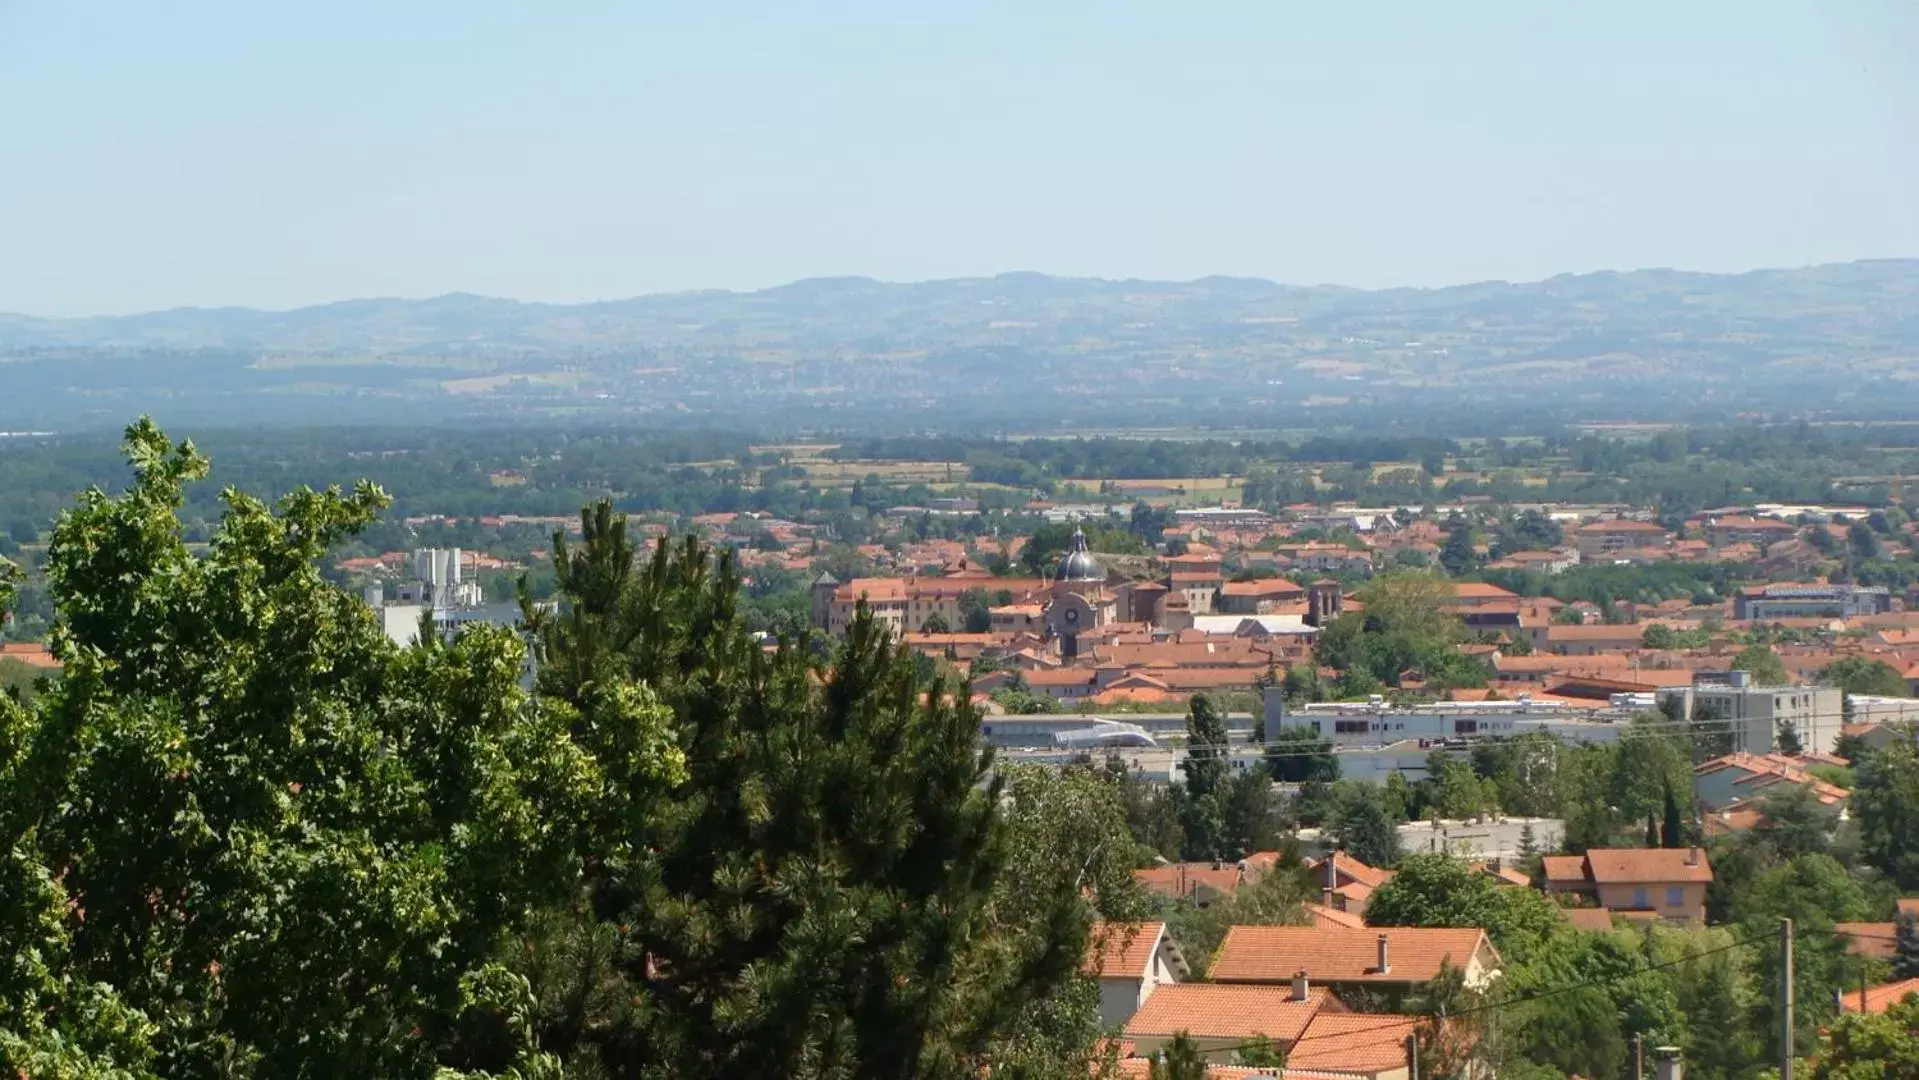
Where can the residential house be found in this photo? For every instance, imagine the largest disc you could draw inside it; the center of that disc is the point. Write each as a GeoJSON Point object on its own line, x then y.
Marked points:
{"type": "Point", "coordinates": [1875, 999]}
{"type": "Point", "coordinates": [1731, 529]}
{"type": "Point", "coordinates": [1358, 1045]}
{"type": "Point", "coordinates": [1588, 640]}
{"type": "Point", "coordinates": [1132, 961]}
{"type": "Point", "coordinates": [1219, 1017]}
{"type": "Point", "coordinates": [1738, 777]}
{"type": "Point", "coordinates": [1669, 883]}
{"type": "Point", "coordinates": [1879, 940]}
{"type": "Point", "coordinates": [1264, 596]}
{"type": "Point", "coordinates": [1591, 920]}
{"type": "Point", "coordinates": [1604, 539]}
{"type": "Point", "coordinates": [1200, 882]}
{"type": "Point", "coordinates": [1345, 882]}
{"type": "Point", "coordinates": [1399, 957]}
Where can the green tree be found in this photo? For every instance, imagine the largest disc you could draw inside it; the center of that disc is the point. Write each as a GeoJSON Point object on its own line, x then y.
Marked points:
{"type": "Point", "coordinates": [1815, 891]}
{"type": "Point", "coordinates": [1248, 817]}
{"type": "Point", "coordinates": [1366, 832]}
{"type": "Point", "coordinates": [1864, 675]}
{"type": "Point", "coordinates": [976, 611]}
{"type": "Point", "coordinates": [1905, 958]}
{"type": "Point", "coordinates": [1763, 664]}
{"type": "Point", "coordinates": [1205, 772]}
{"type": "Point", "coordinates": [1863, 541]}
{"type": "Point", "coordinates": [1453, 790]}
{"type": "Point", "coordinates": [1795, 823]}
{"type": "Point", "coordinates": [254, 836]}
{"type": "Point", "coordinates": [1179, 1059]}
{"type": "Point", "coordinates": [935, 624]}
{"type": "Point", "coordinates": [1297, 755]}
{"type": "Point", "coordinates": [1786, 739]}
{"type": "Point", "coordinates": [1672, 832]}
{"type": "Point", "coordinates": [1441, 890]}
{"type": "Point", "coordinates": [1882, 1046]}
{"type": "Point", "coordinates": [1259, 1052]}
{"type": "Point", "coordinates": [1407, 625]}
{"type": "Point", "coordinates": [1458, 555]}
{"type": "Point", "coordinates": [1886, 805]}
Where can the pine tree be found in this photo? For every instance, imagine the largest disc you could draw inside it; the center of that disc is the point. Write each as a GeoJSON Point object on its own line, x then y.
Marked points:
{"type": "Point", "coordinates": [1788, 739]}
{"type": "Point", "coordinates": [1528, 842]}
{"type": "Point", "coordinates": [816, 898]}
{"type": "Point", "coordinates": [1905, 959]}
{"type": "Point", "coordinates": [1179, 1059]}
{"type": "Point", "coordinates": [1672, 833]}
{"type": "Point", "coordinates": [1652, 832]}
{"type": "Point", "coordinates": [1205, 770]}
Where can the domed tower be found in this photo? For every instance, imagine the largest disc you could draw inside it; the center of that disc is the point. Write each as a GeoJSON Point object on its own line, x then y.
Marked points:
{"type": "Point", "coordinates": [1079, 599]}
{"type": "Point", "coordinates": [1079, 564]}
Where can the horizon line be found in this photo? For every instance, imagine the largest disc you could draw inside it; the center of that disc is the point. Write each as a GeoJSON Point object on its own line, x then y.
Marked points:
{"type": "Point", "coordinates": [896, 283]}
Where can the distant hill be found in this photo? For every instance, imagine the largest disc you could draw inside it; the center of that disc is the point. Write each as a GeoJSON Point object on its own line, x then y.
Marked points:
{"type": "Point", "coordinates": [1024, 347]}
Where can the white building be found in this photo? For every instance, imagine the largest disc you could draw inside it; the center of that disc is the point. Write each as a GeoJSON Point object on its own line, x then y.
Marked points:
{"type": "Point", "coordinates": [1756, 714]}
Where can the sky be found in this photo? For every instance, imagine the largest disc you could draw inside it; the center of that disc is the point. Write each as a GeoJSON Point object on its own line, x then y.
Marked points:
{"type": "Point", "coordinates": [216, 153]}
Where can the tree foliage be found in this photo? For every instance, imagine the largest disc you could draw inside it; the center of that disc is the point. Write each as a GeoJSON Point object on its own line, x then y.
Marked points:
{"type": "Point", "coordinates": [246, 835]}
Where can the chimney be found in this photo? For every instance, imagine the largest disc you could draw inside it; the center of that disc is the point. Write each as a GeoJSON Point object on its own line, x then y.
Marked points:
{"type": "Point", "coordinates": [1385, 961]}
{"type": "Point", "coordinates": [1332, 871]}
{"type": "Point", "coordinates": [1692, 856]}
{"type": "Point", "coordinates": [1670, 1066]}
{"type": "Point", "coordinates": [1301, 988]}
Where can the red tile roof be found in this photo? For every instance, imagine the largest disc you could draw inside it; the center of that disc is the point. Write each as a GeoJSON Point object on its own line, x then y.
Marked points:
{"type": "Point", "coordinates": [1879, 998]}
{"type": "Point", "coordinates": [1217, 1010]}
{"type": "Point", "coordinates": [1274, 953]}
{"type": "Point", "coordinates": [1628, 866]}
{"type": "Point", "coordinates": [1869, 938]}
{"type": "Point", "coordinates": [1592, 920]}
{"type": "Point", "coordinates": [1121, 950]}
{"type": "Point", "coordinates": [1625, 866]}
{"type": "Point", "coordinates": [1353, 1042]}
{"type": "Point", "coordinates": [1181, 879]}
{"type": "Point", "coordinates": [1325, 918]}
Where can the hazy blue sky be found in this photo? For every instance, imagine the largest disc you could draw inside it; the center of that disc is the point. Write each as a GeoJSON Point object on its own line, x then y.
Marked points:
{"type": "Point", "coordinates": [264, 153]}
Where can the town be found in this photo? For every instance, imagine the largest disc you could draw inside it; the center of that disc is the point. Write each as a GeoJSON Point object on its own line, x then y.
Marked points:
{"type": "Point", "coordinates": [1378, 761]}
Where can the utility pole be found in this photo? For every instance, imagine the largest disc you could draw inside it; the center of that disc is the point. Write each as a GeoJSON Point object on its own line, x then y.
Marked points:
{"type": "Point", "coordinates": [1412, 1056]}
{"type": "Point", "coordinates": [1786, 1026]}
{"type": "Point", "coordinates": [1638, 1057]}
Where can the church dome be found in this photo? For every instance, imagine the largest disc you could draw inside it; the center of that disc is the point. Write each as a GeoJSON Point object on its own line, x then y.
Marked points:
{"type": "Point", "coordinates": [1079, 564]}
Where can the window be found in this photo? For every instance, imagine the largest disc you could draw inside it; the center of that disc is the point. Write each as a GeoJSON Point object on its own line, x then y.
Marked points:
{"type": "Point", "coordinates": [1639, 901]}
{"type": "Point", "coordinates": [1350, 727]}
{"type": "Point", "coordinates": [1675, 896]}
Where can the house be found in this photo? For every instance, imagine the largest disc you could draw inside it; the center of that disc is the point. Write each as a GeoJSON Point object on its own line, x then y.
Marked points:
{"type": "Point", "coordinates": [1345, 882]}
{"type": "Point", "coordinates": [1200, 882]}
{"type": "Point", "coordinates": [1132, 961]}
{"type": "Point", "coordinates": [1588, 640]}
{"type": "Point", "coordinates": [1874, 939]}
{"type": "Point", "coordinates": [1591, 920]}
{"type": "Point", "coordinates": [1400, 957]}
{"type": "Point", "coordinates": [1471, 594]}
{"type": "Point", "coordinates": [1667, 882]}
{"type": "Point", "coordinates": [1732, 529]}
{"type": "Point", "coordinates": [1326, 918]}
{"type": "Point", "coordinates": [1370, 1045]}
{"type": "Point", "coordinates": [1219, 1017]}
{"type": "Point", "coordinates": [1259, 597]}
{"type": "Point", "coordinates": [1876, 999]}
{"type": "Point", "coordinates": [1603, 539]}
{"type": "Point", "coordinates": [1738, 777]}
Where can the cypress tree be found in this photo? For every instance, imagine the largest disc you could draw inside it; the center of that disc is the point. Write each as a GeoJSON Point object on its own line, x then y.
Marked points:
{"type": "Point", "coordinates": [1905, 958]}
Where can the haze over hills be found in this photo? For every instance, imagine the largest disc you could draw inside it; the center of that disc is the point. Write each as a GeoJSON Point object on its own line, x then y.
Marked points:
{"type": "Point", "coordinates": [1020, 349]}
